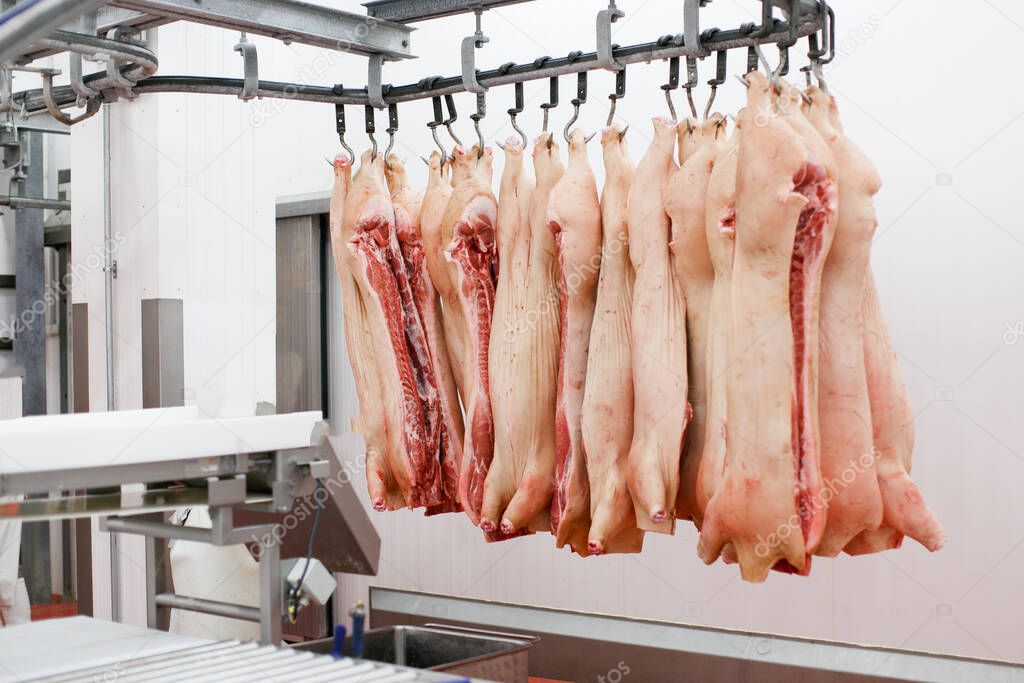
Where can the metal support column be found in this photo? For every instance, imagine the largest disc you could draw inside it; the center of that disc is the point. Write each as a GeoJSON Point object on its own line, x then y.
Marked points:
{"type": "Point", "coordinates": [29, 332]}
{"type": "Point", "coordinates": [30, 294]}
{"type": "Point", "coordinates": [271, 593]}
{"type": "Point", "coordinates": [163, 377]}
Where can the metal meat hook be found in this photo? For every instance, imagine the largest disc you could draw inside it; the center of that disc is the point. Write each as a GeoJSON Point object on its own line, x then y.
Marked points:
{"type": "Point", "coordinates": [581, 99]}
{"type": "Point", "coordinates": [392, 129]}
{"type": "Point", "coordinates": [673, 84]}
{"type": "Point", "coordinates": [434, 125]}
{"type": "Point", "coordinates": [371, 127]}
{"type": "Point", "coordinates": [620, 92]}
{"type": "Point", "coordinates": [691, 82]}
{"type": "Point", "coordinates": [516, 110]}
{"type": "Point", "coordinates": [453, 116]}
{"type": "Point", "coordinates": [549, 105]}
{"type": "Point", "coordinates": [340, 125]}
{"type": "Point", "coordinates": [481, 112]}
{"type": "Point", "coordinates": [719, 79]}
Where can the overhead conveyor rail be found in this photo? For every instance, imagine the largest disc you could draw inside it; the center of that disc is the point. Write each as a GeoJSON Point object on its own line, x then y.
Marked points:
{"type": "Point", "coordinates": [811, 17]}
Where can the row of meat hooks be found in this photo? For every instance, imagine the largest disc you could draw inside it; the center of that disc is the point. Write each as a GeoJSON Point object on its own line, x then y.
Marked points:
{"type": "Point", "coordinates": [818, 54]}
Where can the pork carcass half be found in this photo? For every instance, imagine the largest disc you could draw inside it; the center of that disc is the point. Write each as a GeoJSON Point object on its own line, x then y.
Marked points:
{"type": "Point", "coordinates": [408, 214]}
{"type": "Point", "coordinates": [410, 402]}
{"type": "Point", "coordinates": [607, 414]}
{"type": "Point", "coordinates": [468, 231]}
{"type": "Point", "coordinates": [522, 498]}
{"type": "Point", "coordinates": [524, 361]}
{"type": "Point", "coordinates": [574, 216]}
{"type": "Point", "coordinates": [685, 202]}
{"type": "Point", "coordinates": [850, 485]}
{"type": "Point", "coordinates": [720, 231]}
{"type": "Point", "coordinates": [785, 207]}
{"type": "Point", "coordinates": [904, 511]}
{"type": "Point", "coordinates": [432, 213]}
{"type": "Point", "coordinates": [661, 409]}
{"type": "Point", "coordinates": [360, 347]}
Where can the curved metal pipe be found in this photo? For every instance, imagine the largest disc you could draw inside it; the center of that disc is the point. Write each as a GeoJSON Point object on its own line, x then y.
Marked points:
{"type": "Point", "coordinates": [21, 27]}
{"type": "Point", "coordinates": [143, 61]}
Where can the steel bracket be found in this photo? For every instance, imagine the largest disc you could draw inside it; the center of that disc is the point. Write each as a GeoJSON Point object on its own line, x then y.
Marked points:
{"type": "Point", "coordinates": [470, 44]}
{"type": "Point", "coordinates": [92, 104]}
{"type": "Point", "coordinates": [691, 25]}
{"type": "Point", "coordinates": [87, 25]}
{"type": "Point", "coordinates": [250, 58]}
{"type": "Point", "coordinates": [605, 49]}
{"type": "Point", "coordinates": [374, 83]}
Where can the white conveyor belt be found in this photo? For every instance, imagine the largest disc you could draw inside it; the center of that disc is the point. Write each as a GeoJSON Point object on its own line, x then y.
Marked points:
{"type": "Point", "coordinates": [82, 650]}
{"type": "Point", "coordinates": [85, 440]}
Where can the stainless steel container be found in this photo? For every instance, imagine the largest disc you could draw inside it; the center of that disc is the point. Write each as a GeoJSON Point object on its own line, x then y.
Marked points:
{"type": "Point", "coordinates": [488, 655]}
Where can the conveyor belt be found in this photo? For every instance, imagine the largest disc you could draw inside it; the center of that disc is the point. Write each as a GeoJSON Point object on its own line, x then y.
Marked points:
{"type": "Point", "coordinates": [84, 649]}
{"type": "Point", "coordinates": [235, 662]}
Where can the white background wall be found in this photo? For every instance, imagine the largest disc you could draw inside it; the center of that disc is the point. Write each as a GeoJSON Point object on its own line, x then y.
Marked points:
{"type": "Point", "coordinates": [922, 87]}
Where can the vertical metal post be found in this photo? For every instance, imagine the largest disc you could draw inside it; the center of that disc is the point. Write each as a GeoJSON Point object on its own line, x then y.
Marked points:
{"type": "Point", "coordinates": [29, 333]}
{"type": "Point", "coordinates": [151, 577]}
{"type": "Point", "coordinates": [108, 291]}
{"type": "Point", "coordinates": [163, 373]}
{"type": "Point", "coordinates": [30, 293]}
{"type": "Point", "coordinates": [63, 294]}
{"type": "Point", "coordinates": [271, 593]}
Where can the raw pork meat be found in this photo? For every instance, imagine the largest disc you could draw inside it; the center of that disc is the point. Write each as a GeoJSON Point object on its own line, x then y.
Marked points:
{"type": "Point", "coordinates": [519, 492]}
{"type": "Point", "coordinates": [607, 415]}
{"type": "Point", "coordinates": [574, 216]}
{"type": "Point", "coordinates": [410, 399]}
{"type": "Point", "coordinates": [850, 485]}
{"type": "Point", "coordinates": [685, 198]}
{"type": "Point", "coordinates": [359, 344]}
{"type": "Point", "coordinates": [660, 410]}
{"type": "Point", "coordinates": [904, 511]}
{"type": "Point", "coordinates": [785, 204]}
{"type": "Point", "coordinates": [435, 204]}
{"type": "Point", "coordinates": [468, 232]}
{"type": "Point", "coordinates": [720, 231]}
{"type": "Point", "coordinates": [524, 358]}
{"type": "Point", "coordinates": [408, 208]}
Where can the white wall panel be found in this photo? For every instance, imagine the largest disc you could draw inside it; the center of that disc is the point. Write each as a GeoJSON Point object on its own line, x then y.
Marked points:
{"type": "Point", "coordinates": [947, 260]}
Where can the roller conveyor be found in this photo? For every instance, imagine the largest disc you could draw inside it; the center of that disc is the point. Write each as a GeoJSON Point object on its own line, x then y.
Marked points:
{"type": "Point", "coordinates": [81, 650]}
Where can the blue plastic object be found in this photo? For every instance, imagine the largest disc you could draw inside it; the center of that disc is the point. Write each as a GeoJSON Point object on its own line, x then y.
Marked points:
{"type": "Point", "coordinates": [338, 651]}
{"type": "Point", "coordinates": [358, 625]}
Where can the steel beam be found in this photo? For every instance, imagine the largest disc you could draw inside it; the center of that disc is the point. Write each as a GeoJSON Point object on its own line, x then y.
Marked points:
{"type": "Point", "coordinates": [24, 26]}
{"type": "Point", "coordinates": [289, 20]}
{"type": "Point", "coordinates": [421, 10]}
{"type": "Point", "coordinates": [107, 19]}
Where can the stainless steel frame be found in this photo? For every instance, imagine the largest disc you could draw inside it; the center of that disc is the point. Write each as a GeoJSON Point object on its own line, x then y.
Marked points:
{"type": "Point", "coordinates": [808, 17]}
{"type": "Point", "coordinates": [38, 20]}
{"type": "Point", "coordinates": [289, 20]}
{"type": "Point", "coordinates": [421, 10]}
{"type": "Point", "coordinates": [658, 651]}
{"type": "Point", "coordinates": [233, 486]}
